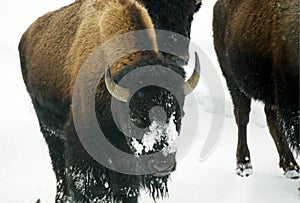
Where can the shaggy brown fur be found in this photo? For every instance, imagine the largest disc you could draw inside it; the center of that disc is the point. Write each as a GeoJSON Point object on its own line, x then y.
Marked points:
{"type": "Point", "coordinates": [61, 54]}
{"type": "Point", "coordinates": [257, 43]}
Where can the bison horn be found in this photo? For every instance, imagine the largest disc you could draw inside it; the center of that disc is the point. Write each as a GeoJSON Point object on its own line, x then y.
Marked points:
{"type": "Point", "coordinates": [118, 92]}
{"type": "Point", "coordinates": [191, 84]}
{"type": "Point", "coordinates": [198, 1]}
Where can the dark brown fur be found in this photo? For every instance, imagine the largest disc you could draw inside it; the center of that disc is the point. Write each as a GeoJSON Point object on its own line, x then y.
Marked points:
{"type": "Point", "coordinates": [257, 43]}
{"type": "Point", "coordinates": [175, 16]}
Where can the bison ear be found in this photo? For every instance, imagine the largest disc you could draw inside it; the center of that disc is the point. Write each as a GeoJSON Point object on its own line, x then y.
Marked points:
{"type": "Point", "coordinates": [191, 84]}
{"type": "Point", "coordinates": [118, 92]}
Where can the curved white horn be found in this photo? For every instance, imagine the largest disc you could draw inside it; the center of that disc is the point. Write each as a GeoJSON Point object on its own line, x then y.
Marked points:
{"type": "Point", "coordinates": [191, 84]}
{"type": "Point", "coordinates": [118, 92]}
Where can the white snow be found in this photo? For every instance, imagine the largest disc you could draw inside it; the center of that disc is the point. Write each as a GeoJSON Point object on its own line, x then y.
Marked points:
{"type": "Point", "coordinates": [156, 133]}
{"type": "Point", "coordinates": [25, 167]}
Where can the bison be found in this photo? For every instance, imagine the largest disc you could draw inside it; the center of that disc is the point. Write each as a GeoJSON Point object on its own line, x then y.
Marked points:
{"type": "Point", "coordinates": [53, 52]}
{"type": "Point", "coordinates": [257, 44]}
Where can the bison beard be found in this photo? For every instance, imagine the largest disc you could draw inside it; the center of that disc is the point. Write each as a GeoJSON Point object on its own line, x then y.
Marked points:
{"type": "Point", "coordinates": [52, 52]}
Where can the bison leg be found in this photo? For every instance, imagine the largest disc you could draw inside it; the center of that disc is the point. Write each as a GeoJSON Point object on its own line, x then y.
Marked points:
{"type": "Point", "coordinates": [91, 182]}
{"type": "Point", "coordinates": [241, 111]}
{"type": "Point", "coordinates": [287, 161]}
{"type": "Point", "coordinates": [56, 145]}
{"type": "Point", "coordinates": [56, 150]}
{"type": "Point", "coordinates": [87, 183]}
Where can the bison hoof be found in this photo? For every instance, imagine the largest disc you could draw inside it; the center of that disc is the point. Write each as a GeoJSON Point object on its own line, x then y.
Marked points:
{"type": "Point", "coordinates": [292, 174]}
{"type": "Point", "coordinates": [244, 169]}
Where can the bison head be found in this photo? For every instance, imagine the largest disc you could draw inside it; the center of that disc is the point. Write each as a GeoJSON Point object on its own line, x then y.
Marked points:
{"type": "Point", "coordinates": [147, 107]}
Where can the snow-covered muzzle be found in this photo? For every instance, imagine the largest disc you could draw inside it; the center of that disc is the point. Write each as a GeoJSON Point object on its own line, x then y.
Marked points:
{"type": "Point", "coordinates": [160, 137]}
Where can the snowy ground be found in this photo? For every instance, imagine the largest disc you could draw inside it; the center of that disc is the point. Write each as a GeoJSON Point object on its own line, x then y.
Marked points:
{"type": "Point", "coordinates": [25, 169]}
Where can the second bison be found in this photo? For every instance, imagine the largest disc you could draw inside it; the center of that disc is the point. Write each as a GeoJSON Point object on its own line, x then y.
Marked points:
{"type": "Point", "coordinates": [257, 44]}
